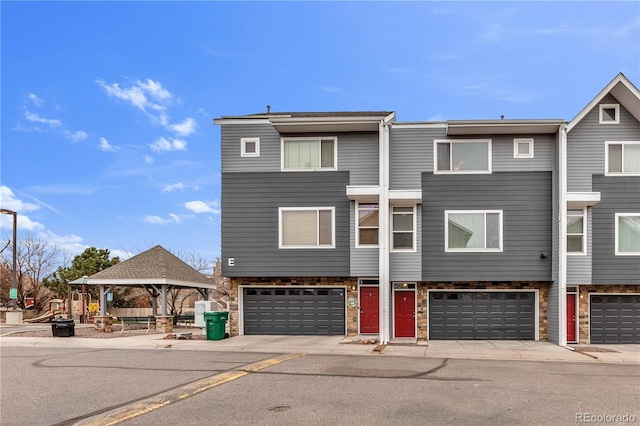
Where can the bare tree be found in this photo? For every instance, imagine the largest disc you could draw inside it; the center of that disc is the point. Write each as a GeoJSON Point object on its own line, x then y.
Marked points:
{"type": "Point", "coordinates": [176, 298]}
{"type": "Point", "coordinates": [35, 260]}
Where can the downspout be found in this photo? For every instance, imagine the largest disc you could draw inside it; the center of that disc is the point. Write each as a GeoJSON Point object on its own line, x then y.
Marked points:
{"type": "Point", "coordinates": [384, 234]}
{"type": "Point", "coordinates": [562, 244]}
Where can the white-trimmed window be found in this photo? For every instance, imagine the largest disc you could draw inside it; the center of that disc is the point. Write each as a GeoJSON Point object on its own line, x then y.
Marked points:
{"type": "Point", "coordinates": [403, 225]}
{"type": "Point", "coordinates": [462, 156]}
{"type": "Point", "coordinates": [368, 223]}
{"type": "Point", "coordinates": [307, 227]}
{"type": "Point", "coordinates": [622, 158]}
{"type": "Point", "coordinates": [628, 234]}
{"type": "Point", "coordinates": [576, 232]}
{"type": "Point", "coordinates": [250, 147]}
{"type": "Point", "coordinates": [523, 148]}
{"type": "Point", "coordinates": [309, 153]}
{"type": "Point", "coordinates": [473, 230]}
{"type": "Point", "coordinates": [609, 113]}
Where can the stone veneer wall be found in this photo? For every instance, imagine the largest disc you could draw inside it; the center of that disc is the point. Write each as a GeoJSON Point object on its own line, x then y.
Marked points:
{"type": "Point", "coordinates": [348, 283]}
{"type": "Point", "coordinates": [583, 303]}
{"type": "Point", "coordinates": [543, 300]}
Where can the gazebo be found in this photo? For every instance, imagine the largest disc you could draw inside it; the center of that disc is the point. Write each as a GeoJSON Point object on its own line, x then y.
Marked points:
{"type": "Point", "coordinates": [156, 270]}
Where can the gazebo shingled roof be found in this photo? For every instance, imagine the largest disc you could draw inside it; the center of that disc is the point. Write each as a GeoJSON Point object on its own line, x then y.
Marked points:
{"type": "Point", "coordinates": [156, 269]}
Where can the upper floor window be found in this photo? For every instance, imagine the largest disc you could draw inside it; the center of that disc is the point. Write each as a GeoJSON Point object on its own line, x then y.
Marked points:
{"type": "Point", "coordinates": [473, 230]}
{"type": "Point", "coordinates": [250, 147]}
{"type": "Point", "coordinates": [609, 114]}
{"type": "Point", "coordinates": [403, 228]}
{"type": "Point", "coordinates": [623, 158]}
{"type": "Point", "coordinates": [309, 154]}
{"type": "Point", "coordinates": [307, 227]}
{"type": "Point", "coordinates": [576, 225]}
{"type": "Point", "coordinates": [368, 224]}
{"type": "Point", "coordinates": [523, 148]}
{"type": "Point", "coordinates": [628, 234]}
{"type": "Point", "coordinates": [463, 156]}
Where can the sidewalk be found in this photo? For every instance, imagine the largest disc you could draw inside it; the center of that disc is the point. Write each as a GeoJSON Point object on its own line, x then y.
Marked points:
{"type": "Point", "coordinates": [334, 345]}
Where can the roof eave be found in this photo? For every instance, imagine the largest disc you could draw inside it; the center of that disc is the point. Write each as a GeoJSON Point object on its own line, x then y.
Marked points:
{"type": "Point", "coordinates": [502, 127]}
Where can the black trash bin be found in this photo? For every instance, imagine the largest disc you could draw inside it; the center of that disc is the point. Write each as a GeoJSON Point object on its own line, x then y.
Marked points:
{"type": "Point", "coordinates": [62, 327]}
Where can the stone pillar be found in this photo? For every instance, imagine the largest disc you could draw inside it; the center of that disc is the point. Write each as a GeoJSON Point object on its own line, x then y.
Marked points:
{"type": "Point", "coordinates": [164, 324]}
{"type": "Point", "coordinates": [103, 323]}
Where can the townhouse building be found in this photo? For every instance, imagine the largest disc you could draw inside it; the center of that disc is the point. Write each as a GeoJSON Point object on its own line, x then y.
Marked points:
{"type": "Point", "coordinates": [353, 223]}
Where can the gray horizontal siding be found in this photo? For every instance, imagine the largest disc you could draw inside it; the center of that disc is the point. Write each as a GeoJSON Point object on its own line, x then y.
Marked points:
{"type": "Point", "coordinates": [250, 203]}
{"type": "Point", "coordinates": [357, 152]}
{"type": "Point", "coordinates": [525, 199]}
{"type": "Point", "coordinates": [617, 195]}
{"type": "Point", "coordinates": [411, 154]}
{"type": "Point", "coordinates": [364, 260]}
{"type": "Point", "coordinates": [407, 266]}
{"type": "Point", "coordinates": [586, 145]}
{"type": "Point", "coordinates": [269, 159]}
{"type": "Point", "coordinates": [503, 160]}
{"type": "Point", "coordinates": [579, 265]}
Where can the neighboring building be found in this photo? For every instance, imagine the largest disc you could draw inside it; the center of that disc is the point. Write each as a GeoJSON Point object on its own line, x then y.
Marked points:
{"type": "Point", "coordinates": [352, 223]}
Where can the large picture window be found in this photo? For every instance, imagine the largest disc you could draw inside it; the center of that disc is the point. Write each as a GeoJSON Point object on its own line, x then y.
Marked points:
{"type": "Point", "coordinates": [368, 224]}
{"type": "Point", "coordinates": [403, 228]}
{"type": "Point", "coordinates": [628, 234]}
{"type": "Point", "coordinates": [463, 156]}
{"type": "Point", "coordinates": [307, 227]}
{"type": "Point", "coordinates": [473, 230]}
{"type": "Point", "coordinates": [309, 154]}
{"type": "Point", "coordinates": [576, 224]}
{"type": "Point", "coordinates": [623, 158]}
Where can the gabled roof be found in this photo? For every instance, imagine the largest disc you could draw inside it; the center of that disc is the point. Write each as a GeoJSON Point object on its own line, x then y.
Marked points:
{"type": "Point", "coordinates": [623, 90]}
{"type": "Point", "coordinates": [154, 266]}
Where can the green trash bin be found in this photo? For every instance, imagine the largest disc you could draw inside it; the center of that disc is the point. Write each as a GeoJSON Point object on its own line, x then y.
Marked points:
{"type": "Point", "coordinates": [216, 324]}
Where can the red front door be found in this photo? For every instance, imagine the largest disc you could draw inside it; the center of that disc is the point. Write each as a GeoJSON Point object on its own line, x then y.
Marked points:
{"type": "Point", "coordinates": [571, 317]}
{"type": "Point", "coordinates": [369, 308]}
{"type": "Point", "coordinates": [404, 305]}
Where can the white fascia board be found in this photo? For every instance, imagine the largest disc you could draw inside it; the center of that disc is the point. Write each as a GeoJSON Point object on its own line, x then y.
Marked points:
{"type": "Point", "coordinates": [363, 193]}
{"type": "Point", "coordinates": [580, 200]}
{"type": "Point", "coordinates": [226, 121]}
{"type": "Point", "coordinates": [411, 196]}
{"type": "Point", "coordinates": [418, 125]}
{"type": "Point", "coordinates": [147, 281]}
{"type": "Point", "coordinates": [623, 90]}
{"type": "Point", "coordinates": [502, 127]}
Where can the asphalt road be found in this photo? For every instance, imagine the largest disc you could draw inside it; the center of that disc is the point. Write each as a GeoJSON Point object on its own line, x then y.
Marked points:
{"type": "Point", "coordinates": [54, 386]}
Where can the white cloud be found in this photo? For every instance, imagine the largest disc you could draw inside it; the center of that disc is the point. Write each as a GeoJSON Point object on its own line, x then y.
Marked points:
{"type": "Point", "coordinates": [148, 159]}
{"type": "Point", "coordinates": [157, 220]}
{"type": "Point", "coordinates": [105, 145]}
{"type": "Point", "coordinates": [185, 128]}
{"type": "Point", "coordinates": [76, 136]}
{"type": "Point", "coordinates": [151, 98]}
{"type": "Point", "coordinates": [35, 100]}
{"type": "Point", "coordinates": [9, 201]}
{"type": "Point", "coordinates": [170, 144]}
{"type": "Point", "coordinates": [70, 243]}
{"type": "Point", "coordinates": [37, 119]}
{"type": "Point", "coordinates": [203, 207]}
{"type": "Point", "coordinates": [173, 187]}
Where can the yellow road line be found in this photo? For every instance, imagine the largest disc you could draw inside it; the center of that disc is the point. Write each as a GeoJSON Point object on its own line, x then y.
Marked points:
{"type": "Point", "coordinates": [186, 391]}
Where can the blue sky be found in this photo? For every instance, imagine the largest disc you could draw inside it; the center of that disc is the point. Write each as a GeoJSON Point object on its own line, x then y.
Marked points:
{"type": "Point", "coordinates": [106, 116]}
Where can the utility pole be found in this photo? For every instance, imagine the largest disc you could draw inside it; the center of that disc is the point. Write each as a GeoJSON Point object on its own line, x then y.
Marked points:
{"type": "Point", "coordinates": [14, 286]}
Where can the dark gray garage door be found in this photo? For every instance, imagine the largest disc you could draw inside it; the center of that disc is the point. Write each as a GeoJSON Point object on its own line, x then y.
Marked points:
{"type": "Point", "coordinates": [308, 311]}
{"type": "Point", "coordinates": [482, 316]}
{"type": "Point", "coordinates": [615, 319]}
